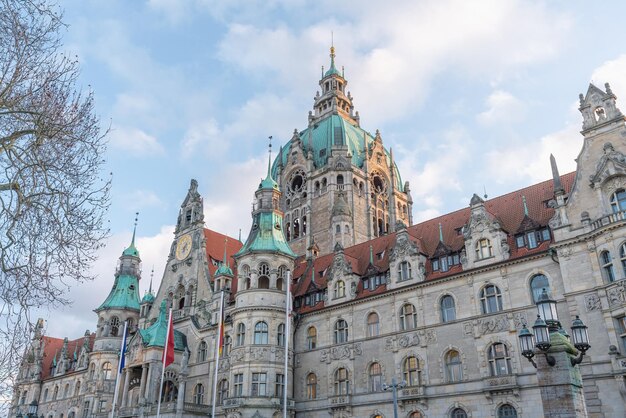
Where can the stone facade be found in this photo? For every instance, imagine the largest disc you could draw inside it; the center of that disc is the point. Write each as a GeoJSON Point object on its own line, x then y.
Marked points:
{"type": "Point", "coordinates": [437, 304]}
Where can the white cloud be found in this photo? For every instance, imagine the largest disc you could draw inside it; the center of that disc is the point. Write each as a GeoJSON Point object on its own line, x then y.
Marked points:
{"type": "Point", "coordinates": [502, 108]}
{"type": "Point", "coordinates": [205, 135]}
{"type": "Point", "coordinates": [612, 72]}
{"type": "Point", "coordinates": [143, 199]}
{"type": "Point", "coordinates": [135, 141]}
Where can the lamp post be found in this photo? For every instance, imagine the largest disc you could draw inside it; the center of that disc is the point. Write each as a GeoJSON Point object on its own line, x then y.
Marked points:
{"type": "Point", "coordinates": [394, 386]}
{"type": "Point", "coordinates": [560, 382]}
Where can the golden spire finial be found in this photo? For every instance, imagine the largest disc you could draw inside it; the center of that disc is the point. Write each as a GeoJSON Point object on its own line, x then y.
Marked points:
{"type": "Point", "coordinates": [332, 45]}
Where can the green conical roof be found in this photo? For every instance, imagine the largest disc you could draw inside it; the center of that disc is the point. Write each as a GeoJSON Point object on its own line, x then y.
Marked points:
{"type": "Point", "coordinates": [124, 295]}
{"type": "Point", "coordinates": [131, 250]}
{"type": "Point", "coordinates": [266, 235]}
{"type": "Point", "coordinates": [147, 298]}
{"type": "Point", "coordinates": [154, 336]}
{"type": "Point", "coordinates": [332, 70]}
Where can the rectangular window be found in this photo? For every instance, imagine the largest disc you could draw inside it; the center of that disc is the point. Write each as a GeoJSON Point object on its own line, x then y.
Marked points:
{"type": "Point", "coordinates": [519, 241]}
{"type": "Point", "coordinates": [455, 259]}
{"type": "Point", "coordinates": [238, 387]}
{"type": "Point", "coordinates": [621, 329]}
{"type": "Point", "coordinates": [102, 406]}
{"type": "Point", "coordinates": [86, 410]}
{"type": "Point", "coordinates": [259, 384]}
{"type": "Point", "coordinates": [307, 300]}
{"type": "Point", "coordinates": [532, 239]}
{"type": "Point", "coordinates": [444, 263]}
{"type": "Point", "coordinates": [545, 234]}
{"type": "Point", "coordinates": [435, 265]}
{"type": "Point", "coordinates": [366, 284]}
{"type": "Point", "coordinates": [280, 385]}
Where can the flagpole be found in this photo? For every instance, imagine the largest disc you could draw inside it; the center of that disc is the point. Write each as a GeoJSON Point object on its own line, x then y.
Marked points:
{"type": "Point", "coordinates": [167, 338]}
{"type": "Point", "coordinates": [120, 367]}
{"type": "Point", "coordinates": [287, 332]}
{"type": "Point", "coordinates": [217, 351]}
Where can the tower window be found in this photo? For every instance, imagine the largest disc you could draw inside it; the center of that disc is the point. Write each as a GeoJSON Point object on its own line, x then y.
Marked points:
{"type": "Point", "coordinates": [618, 201]}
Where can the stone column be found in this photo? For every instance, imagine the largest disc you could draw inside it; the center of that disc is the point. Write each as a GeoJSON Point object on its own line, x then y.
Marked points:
{"type": "Point", "coordinates": [180, 401]}
{"type": "Point", "coordinates": [142, 385]}
{"type": "Point", "coordinates": [125, 392]}
{"type": "Point", "coordinates": [561, 385]}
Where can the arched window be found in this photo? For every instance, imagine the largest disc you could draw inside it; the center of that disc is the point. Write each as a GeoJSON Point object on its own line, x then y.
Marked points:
{"type": "Point", "coordinates": [416, 414]}
{"type": "Point", "coordinates": [264, 282]}
{"type": "Point", "coordinates": [448, 309]}
{"type": "Point", "coordinates": [202, 351]}
{"type": "Point", "coordinates": [241, 334]}
{"type": "Point", "coordinates": [311, 386]}
{"type": "Point", "coordinates": [170, 391]}
{"type": "Point", "coordinates": [499, 360]}
{"type": "Point", "coordinates": [107, 371]}
{"type": "Point", "coordinates": [408, 317]}
{"type": "Point", "coordinates": [66, 391]}
{"type": "Point", "coordinates": [115, 326]}
{"type": "Point", "coordinates": [483, 249]}
{"type": "Point", "coordinates": [222, 391]}
{"type": "Point", "coordinates": [507, 411]}
{"type": "Point", "coordinates": [342, 384]}
{"type": "Point", "coordinates": [55, 393]}
{"type": "Point", "coordinates": [490, 299]}
{"type": "Point", "coordinates": [77, 389]}
{"type": "Point", "coordinates": [411, 371]}
{"type": "Point", "coordinates": [337, 229]}
{"type": "Point", "coordinates": [372, 325]}
{"type": "Point", "coordinates": [340, 289]}
{"type": "Point", "coordinates": [404, 271]}
{"type": "Point", "coordinates": [92, 371]}
{"type": "Point", "coordinates": [261, 333]}
{"type": "Point", "coordinates": [607, 266]}
{"type": "Point", "coordinates": [458, 413]}
{"type": "Point", "coordinates": [341, 331]}
{"type": "Point", "coordinates": [537, 284]}
{"type": "Point", "coordinates": [339, 179]}
{"type": "Point", "coordinates": [618, 201]}
{"type": "Point", "coordinates": [281, 335]}
{"type": "Point", "coordinates": [45, 395]}
{"type": "Point", "coordinates": [375, 377]}
{"type": "Point", "coordinates": [198, 394]}
{"type": "Point", "coordinates": [454, 367]}
{"type": "Point", "coordinates": [264, 269]}
{"type": "Point", "coordinates": [311, 338]}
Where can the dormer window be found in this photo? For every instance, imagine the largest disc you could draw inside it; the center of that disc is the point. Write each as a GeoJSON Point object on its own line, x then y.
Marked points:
{"type": "Point", "coordinates": [532, 239]}
{"type": "Point", "coordinates": [483, 249]}
{"type": "Point", "coordinates": [372, 282]}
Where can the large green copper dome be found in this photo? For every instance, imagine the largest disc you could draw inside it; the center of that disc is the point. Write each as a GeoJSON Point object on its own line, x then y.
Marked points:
{"type": "Point", "coordinates": [334, 130]}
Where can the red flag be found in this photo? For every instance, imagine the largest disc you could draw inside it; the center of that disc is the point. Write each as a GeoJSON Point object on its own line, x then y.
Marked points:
{"type": "Point", "coordinates": [168, 350]}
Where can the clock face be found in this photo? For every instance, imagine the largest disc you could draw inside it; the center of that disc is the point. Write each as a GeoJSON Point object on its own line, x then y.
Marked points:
{"type": "Point", "coordinates": [183, 247]}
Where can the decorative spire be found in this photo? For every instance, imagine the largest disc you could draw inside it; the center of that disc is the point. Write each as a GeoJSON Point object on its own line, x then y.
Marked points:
{"type": "Point", "coordinates": [239, 234]}
{"type": "Point", "coordinates": [269, 182]}
{"type": "Point", "coordinates": [151, 276]}
{"type": "Point", "coordinates": [556, 178]}
{"type": "Point", "coordinates": [371, 255]}
{"type": "Point", "coordinates": [225, 260]}
{"type": "Point", "coordinates": [132, 250]}
{"type": "Point", "coordinates": [525, 206]}
{"type": "Point", "coordinates": [269, 159]}
{"type": "Point", "coordinates": [440, 233]}
{"type": "Point", "coordinates": [132, 242]}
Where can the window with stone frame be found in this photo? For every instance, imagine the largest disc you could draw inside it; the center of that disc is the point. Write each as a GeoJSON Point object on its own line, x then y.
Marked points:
{"type": "Point", "coordinates": [339, 289]}
{"type": "Point", "coordinates": [618, 201]}
{"type": "Point", "coordinates": [458, 413]}
{"type": "Point", "coordinates": [490, 299]}
{"type": "Point", "coordinates": [444, 262]}
{"type": "Point", "coordinates": [55, 393]}
{"type": "Point", "coordinates": [228, 342]}
{"type": "Point", "coordinates": [411, 371]}
{"type": "Point", "coordinates": [341, 332]}
{"type": "Point", "coordinates": [448, 309]}
{"type": "Point", "coordinates": [279, 388]}
{"type": "Point", "coordinates": [621, 330]}
{"type": "Point", "coordinates": [622, 257]}
{"type": "Point", "coordinates": [375, 375]}
{"type": "Point", "coordinates": [280, 340]}
{"type": "Point", "coordinates": [259, 384]}
{"type": "Point", "coordinates": [222, 391]}
{"type": "Point", "coordinates": [404, 271]}
{"type": "Point", "coordinates": [607, 266]}
{"type": "Point", "coordinates": [454, 366]}
{"type": "Point", "coordinates": [483, 249]}
{"type": "Point", "coordinates": [107, 371]}
{"type": "Point", "coordinates": [261, 333]}
{"type": "Point", "coordinates": [342, 383]}
{"type": "Point", "coordinates": [499, 359]}
{"type": "Point", "coordinates": [114, 322]}
{"type": "Point", "coordinates": [507, 411]}
{"type": "Point", "coordinates": [86, 408]}
{"type": "Point", "coordinates": [66, 391]}
{"type": "Point", "coordinates": [202, 352]}
{"type": "Point", "coordinates": [311, 338]}
{"type": "Point", "coordinates": [408, 317]}
{"type": "Point", "coordinates": [416, 414]}
{"type": "Point", "coordinates": [311, 386]}
{"type": "Point", "coordinates": [238, 384]}
{"type": "Point", "coordinates": [373, 325]}
{"type": "Point", "coordinates": [537, 283]}
{"type": "Point", "coordinates": [532, 239]}
{"type": "Point", "coordinates": [77, 388]}
{"type": "Point", "coordinates": [198, 394]}
{"type": "Point", "coordinates": [241, 334]}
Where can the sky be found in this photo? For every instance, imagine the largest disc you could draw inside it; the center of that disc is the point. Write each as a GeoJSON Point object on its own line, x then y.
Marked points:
{"type": "Point", "coordinates": [471, 96]}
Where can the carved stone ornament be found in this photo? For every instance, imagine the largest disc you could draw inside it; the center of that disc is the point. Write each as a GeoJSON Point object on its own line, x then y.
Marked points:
{"type": "Point", "coordinates": [404, 247]}
{"type": "Point", "coordinates": [497, 324]}
{"type": "Point", "coordinates": [409, 340]}
{"type": "Point", "coordinates": [340, 267]}
{"type": "Point", "coordinates": [342, 352]}
{"type": "Point", "coordinates": [617, 294]}
{"type": "Point", "coordinates": [612, 163]}
{"type": "Point", "coordinates": [592, 302]}
{"type": "Point", "coordinates": [259, 353]}
{"type": "Point", "coordinates": [428, 336]}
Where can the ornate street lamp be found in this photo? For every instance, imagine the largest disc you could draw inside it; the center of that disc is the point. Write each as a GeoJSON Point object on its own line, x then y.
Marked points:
{"type": "Point", "coordinates": [547, 323]}
{"type": "Point", "coordinates": [394, 387]}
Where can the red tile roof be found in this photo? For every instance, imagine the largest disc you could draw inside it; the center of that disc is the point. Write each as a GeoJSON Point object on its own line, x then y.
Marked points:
{"type": "Point", "coordinates": [215, 253]}
{"type": "Point", "coordinates": [53, 346]}
{"type": "Point", "coordinates": [508, 210]}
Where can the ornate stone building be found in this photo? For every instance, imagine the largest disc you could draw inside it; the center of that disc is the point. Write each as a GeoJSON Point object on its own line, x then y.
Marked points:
{"type": "Point", "coordinates": [437, 304]}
